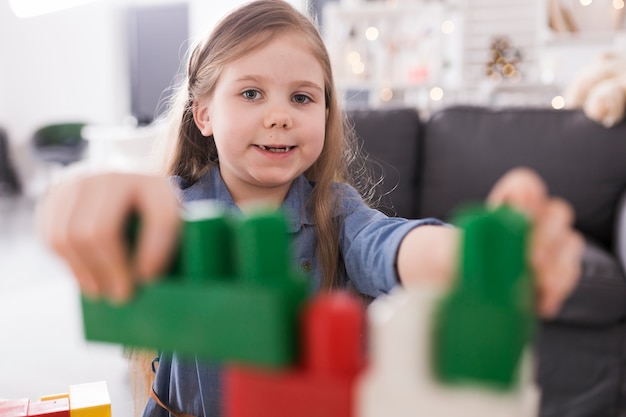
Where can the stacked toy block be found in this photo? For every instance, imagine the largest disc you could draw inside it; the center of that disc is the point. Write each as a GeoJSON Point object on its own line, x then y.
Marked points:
{"type": "Point", "coordinates": [230, 296]}
{"type": "Point", "coordinates": [485, 321]}
{"type": "Point", "coordinates": [461, 353]}
{"type": "Point", "coordinates": [322, 383]}
{"type": "Point", "coordinates": [83, 400]}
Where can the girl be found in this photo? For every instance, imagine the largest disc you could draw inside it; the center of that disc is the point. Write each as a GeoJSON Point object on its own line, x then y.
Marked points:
{"type": "Point", "coordinates": [258, 120]}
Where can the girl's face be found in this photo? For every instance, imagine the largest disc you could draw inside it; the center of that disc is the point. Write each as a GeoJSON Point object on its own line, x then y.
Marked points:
{"type": "Point", "coordinates": [267, 115]}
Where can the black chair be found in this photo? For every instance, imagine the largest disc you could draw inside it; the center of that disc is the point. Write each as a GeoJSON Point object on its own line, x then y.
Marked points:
{"type": "Point", "coordinates": [60, 143]}
{"type": "Point", "coordinates": [9, 182]}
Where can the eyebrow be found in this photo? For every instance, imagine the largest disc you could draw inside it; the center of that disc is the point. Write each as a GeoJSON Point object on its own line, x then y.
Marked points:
{"type": "Point", "coordinates": [302, 83]}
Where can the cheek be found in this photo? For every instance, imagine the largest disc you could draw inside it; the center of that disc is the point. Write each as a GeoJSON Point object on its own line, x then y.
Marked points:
{"type": "Point", "coordinates": [321, 140]}
{"type": "Point", "coordinates": [317, 127]}
{"type": "Point", "coordinates": [321, 134]}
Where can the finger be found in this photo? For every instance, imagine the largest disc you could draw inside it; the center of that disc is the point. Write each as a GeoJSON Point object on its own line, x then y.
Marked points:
{"type": "Point", "coordinates": [522, 188]}
{"type": "Point", "coordinates": [53, 217]}
{"type": "Point", "coordinates": [87, 282]}
{"type": "Point", "coordinates": [557, 214]}
{"type": "Point", "coordinates": [555, 255]}
{"type": "Point", "coordinates": [158, 236]}
{"type": "Point", "coordinates": [557, 279]}
{"type": "Point", "coordinates": [554, 221]}
{"type": "Point", "coordinates": [98, 238]}
{"type": "Point", "coordinates": [104, 255]}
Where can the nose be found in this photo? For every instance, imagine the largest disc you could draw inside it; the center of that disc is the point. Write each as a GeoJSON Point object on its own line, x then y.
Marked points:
{"type": "Point", "coordinates": [277, 117]}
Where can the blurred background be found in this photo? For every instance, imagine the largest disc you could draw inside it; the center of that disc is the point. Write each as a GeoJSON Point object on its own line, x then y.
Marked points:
{"type": "Point", "coordinates": [82, 83]}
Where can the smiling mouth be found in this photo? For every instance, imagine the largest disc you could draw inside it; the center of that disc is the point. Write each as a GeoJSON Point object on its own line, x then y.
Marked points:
{"type": "Point", "coordinates": [275, 149]}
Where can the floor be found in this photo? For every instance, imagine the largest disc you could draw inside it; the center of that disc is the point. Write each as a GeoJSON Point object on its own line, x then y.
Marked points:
{"type": "Point", "coordinates": [42, 349]}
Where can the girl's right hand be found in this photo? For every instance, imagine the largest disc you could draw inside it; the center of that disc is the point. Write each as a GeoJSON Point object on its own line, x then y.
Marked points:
{"type": "Point", "coordinates": [83, 220]}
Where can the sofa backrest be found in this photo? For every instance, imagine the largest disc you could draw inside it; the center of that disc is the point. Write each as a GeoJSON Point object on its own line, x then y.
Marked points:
{"type": "Point", "coordinates": [390, 141]}
{"type": "Point", "coordinates": [466, 149]}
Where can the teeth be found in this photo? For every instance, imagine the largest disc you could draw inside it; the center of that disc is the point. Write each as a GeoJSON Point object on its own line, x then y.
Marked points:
{"type": "Point", "coordinates": [278, 150]}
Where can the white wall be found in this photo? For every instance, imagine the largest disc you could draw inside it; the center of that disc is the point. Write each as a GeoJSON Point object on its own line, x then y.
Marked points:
{"type": "Point", "coordinates": [64, 66]}
{"type": "Point", "coordinates": [71, 66]}
{"type": "Point", "coordinates": [204, 14]}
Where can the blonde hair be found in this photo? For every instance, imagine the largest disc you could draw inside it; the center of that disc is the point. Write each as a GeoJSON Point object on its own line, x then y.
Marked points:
{"type": "Point", "coordinates": [191, 155]}
{"type": "Point", "coordinates": [244, 30]}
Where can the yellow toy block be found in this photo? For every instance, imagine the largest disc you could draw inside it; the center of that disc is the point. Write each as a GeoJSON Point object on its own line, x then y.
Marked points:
{"type": "Point", "coordinates": [53, 397]}
{"type": "Point", "coordinates": [90, 400]}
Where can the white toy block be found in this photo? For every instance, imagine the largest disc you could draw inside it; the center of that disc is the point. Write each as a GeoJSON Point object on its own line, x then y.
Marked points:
{"type": "Point", "coordinates": [400, 381]}
{"type": "Point", "coordinates": [90, 400]}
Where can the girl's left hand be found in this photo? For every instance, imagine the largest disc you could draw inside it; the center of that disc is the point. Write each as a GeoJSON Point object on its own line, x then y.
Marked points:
{"type": "Point", "coordinates": [555, 247]}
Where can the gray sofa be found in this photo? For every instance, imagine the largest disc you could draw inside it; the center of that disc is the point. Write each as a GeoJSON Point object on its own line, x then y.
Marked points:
{"type": "Point", "coordinates": [433, 166]}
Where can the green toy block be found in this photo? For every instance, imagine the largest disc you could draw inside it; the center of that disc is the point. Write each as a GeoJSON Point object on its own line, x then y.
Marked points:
{"type": "Point", "coordinates": [484, 323]}
{"type": "Point", "coordinates": [230, 296]}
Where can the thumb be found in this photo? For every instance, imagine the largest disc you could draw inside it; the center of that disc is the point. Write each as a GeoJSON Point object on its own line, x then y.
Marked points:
{"type": "Point", "coordinates": [521, 188]}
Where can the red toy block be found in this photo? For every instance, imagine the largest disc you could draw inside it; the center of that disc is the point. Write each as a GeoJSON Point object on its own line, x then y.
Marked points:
{"type": "Point", "coordinates": [14, 408]}
{"type": "Point", "coordinates": [332, 335]}
{"type": "Point", "coordinates": [59, 407]}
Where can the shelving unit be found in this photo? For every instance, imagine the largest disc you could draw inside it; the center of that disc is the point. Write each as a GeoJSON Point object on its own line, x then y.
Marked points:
{"type": "Point", "coordinates": [388, 54]}
{"type": "Point", "coordinates": [429, 53]}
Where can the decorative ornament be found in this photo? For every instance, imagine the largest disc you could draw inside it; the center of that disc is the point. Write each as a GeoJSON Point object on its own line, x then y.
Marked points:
{"type": "Point", "coordinates": [504, 61]}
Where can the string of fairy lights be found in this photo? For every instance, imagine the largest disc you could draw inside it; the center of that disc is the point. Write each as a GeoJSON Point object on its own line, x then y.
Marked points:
{"type": "Point", "coordinates": [504, 62]}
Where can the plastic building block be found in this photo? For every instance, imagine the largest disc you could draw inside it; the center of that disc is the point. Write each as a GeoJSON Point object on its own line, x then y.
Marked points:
{"type": "Point", "coordinates": [58, 407]}
{"type": "Point", "coordinates": [230, 295]}
{"type": "Point", "coordinates": [400, 381]}
{"type": "Point", "coordinates": [322, 384]}
{"type": "Point", "coordinates": [14, 408]}
{"type": "Point", "coordinates": [83, 400]}
{"type": "Point", "coordinates": [90, 400]}
{"type": "Point", "coordinates": [50, 397]}
{"type": "Point", "coordinates": [485, 322]}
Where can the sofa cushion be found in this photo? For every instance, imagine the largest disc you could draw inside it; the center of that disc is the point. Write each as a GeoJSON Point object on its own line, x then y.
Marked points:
{"type": "Point", "coordinates": [600, 296]}
{"type": "Point", "coordinates": [580, 370]}
{"type": "Point", "coordinates": [389, 138]}
{"type": "Point", "coordinates": [466, 149]}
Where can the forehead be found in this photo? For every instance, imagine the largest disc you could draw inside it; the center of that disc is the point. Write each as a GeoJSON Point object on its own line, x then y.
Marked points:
{"type": "Point", "coordinates": [291, 53]}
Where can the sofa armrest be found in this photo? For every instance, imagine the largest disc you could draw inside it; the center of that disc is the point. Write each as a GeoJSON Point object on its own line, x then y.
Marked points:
{"type": "Point", "coordinates": [600, 296]}
{"type": "Point", "coordinates": [620, 231]}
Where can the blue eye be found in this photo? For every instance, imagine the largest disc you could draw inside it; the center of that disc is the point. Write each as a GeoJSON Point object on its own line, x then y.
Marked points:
{"type": "Point", "coordinates": [251, 94]}
{"type": "Point", "coordinates": [301, 99]}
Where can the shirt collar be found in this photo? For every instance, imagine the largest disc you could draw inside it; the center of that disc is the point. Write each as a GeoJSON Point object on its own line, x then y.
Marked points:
{"type": "Point", "coordinates": [212, 186]}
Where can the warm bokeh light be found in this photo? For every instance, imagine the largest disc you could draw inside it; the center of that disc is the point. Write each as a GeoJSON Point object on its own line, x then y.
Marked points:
{"type": "Point", "coordinates": [386, 94]}
{"type": "Point", "coordinates": [358, 68]}
{"type": "Point", "coordinates": [586, 2]}
{"type": "Point", "coordinates": [558, 102]}
{"type": "Point", "coordinates": [354, 57]}
{"type": "Point", "coordinates": [436, 94]}
{"type": "Point", "coordinates": [447, 27]}
{"type": "Point", "coordinates": [371, 33]}
{"type": "Point", "coordinates": [618, 4]}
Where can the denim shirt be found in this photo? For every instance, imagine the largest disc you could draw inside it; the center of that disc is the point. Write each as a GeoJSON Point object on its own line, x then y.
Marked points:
{"type": "Point", "coordinates": [368, 241]}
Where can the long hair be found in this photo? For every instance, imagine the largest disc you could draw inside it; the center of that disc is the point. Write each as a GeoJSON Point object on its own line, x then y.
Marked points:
{"type": "Point", "coordinates": [191, 154]}
{"type": "Point", "coordinates": [245, 30]}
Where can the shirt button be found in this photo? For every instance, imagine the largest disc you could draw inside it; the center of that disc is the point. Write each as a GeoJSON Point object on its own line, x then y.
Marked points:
{"type": "Point", "coordinates": [305, 266]}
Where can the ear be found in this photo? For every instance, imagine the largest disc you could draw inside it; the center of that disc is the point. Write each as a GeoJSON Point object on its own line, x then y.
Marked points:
{"type": "Point", "coordinates": [201, 117]}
